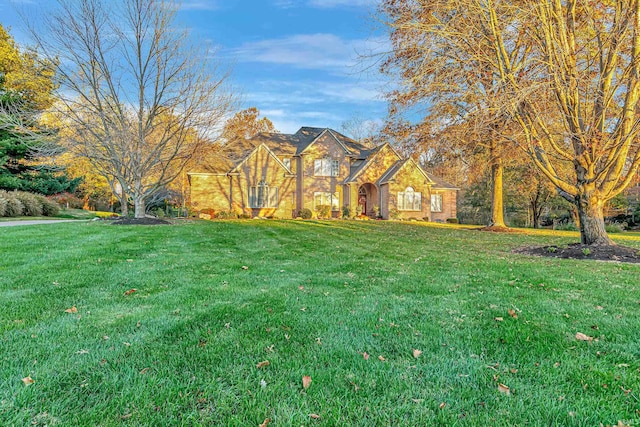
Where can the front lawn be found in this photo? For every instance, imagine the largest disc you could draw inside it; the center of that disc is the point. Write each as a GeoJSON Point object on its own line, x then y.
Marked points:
{"type": "Point", "coordinates": [166, 325]}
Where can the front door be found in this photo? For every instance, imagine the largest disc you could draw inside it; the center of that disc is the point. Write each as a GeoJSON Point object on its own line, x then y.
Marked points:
{"type": "Point", "coordinates": [362, 200]}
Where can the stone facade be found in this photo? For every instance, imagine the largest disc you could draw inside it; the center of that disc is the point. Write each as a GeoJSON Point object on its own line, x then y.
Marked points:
{"type": "Point", "coordinates": [278, 175]}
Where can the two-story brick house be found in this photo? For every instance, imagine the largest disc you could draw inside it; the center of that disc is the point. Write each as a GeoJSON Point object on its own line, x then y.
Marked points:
{"type": "Point", "coordinates": [277, 175]}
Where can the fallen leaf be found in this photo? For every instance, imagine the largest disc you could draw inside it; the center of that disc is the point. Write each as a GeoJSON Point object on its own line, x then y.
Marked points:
{"type": "Point", "coordinates": [504, 389]}
{"type": "Point", "coordinates": [306, 382]}
{"type": "Point", "coordinates": [513, 371]}
{"type": "Point", "coordinates": [381, 358]}
{"type": "Point", "coordinates": [265, 423]}
{"type": "Point", "coordinates": [582, 337]}
{"type": "Point", "coordinates": [365, 355]}
{"type": "Point", "coordinates": [512, 313]}
{"type": "Point", "coordinates": [442, 405]}
{"type": "Point", "coordinates": [129, 260]}
{"type": "Point", "coordinates": [416, 353]}
{"type": "Point", "coordinates": [417, 400]}
{"type": "Point", "coordinates": [129, 292]}
{"type": "Point", "coordinates": [498, 319]}
{"type": "Point", "coordinates": [356, 387]}
{"type": "Point", "coordinates": [71, 310]}
{"type": "Point", "coordinates": [82, 351]}
{"type": "Point", "coordinates": [28, 380]}
{"type": "Point", "coordinates": [124, 417]}
{"type": "Point", "coordinates": [144, 371]}
{"type": "Point", "coordinates": [314, 416]}
{"type": "Point", "coordinates": [244, 267]}
{"type": "Point", "coordinates": [301, 288]}
{"type": "Point", "coordinates": [263, 364]}
{"type": "Point", "coordinates": [599, 307]}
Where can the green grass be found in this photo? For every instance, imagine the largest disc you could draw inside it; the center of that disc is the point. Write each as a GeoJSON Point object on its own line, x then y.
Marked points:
{"type": "Point", "coordinates": [183, 348]}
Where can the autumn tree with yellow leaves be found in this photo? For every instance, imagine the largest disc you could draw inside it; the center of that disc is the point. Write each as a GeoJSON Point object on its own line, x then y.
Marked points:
{"type": "Point", "coordinates": [566, 72]}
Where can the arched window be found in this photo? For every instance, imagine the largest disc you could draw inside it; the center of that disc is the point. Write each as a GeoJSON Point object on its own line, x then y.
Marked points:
{"type": "Point", "coordinates": [409, 200]}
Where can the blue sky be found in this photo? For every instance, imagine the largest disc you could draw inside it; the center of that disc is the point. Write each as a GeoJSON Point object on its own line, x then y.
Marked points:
{"type": "Point", "coordinates": [298, 61]}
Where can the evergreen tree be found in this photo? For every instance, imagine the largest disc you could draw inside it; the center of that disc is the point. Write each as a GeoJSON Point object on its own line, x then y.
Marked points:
{"type": "Point", "coordinates": [26, 90]}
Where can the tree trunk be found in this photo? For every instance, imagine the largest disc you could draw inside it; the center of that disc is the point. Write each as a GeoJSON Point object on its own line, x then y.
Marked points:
{"type": "Point", "coordinates": [497, 205]}
{"type": "Point", "coordinates": [124, 205]}
{"type": "Point", "coordinates": [139, 204]}
{"type": "Point", "coordinates": [591, 215]}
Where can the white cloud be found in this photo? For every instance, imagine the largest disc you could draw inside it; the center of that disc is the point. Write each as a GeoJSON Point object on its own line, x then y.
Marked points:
{"type": "Point", "coordinates": [310, 51]}
{"type": "Point", "coordinates": [199, 5]}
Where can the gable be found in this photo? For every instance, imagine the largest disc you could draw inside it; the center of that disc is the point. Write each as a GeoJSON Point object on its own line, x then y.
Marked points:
{"type": "Point", "coordinates": [403, 170]}
{"type": "Point", "coordinates": [376, 165]}
{"type": "Point", "coordinates": [327, 139]}
{"type": "Point", "coordinates": [260, 156]}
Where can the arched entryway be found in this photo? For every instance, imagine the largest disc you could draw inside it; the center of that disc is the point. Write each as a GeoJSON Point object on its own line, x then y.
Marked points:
{"type": "Point", "coordinates": [368, 200]}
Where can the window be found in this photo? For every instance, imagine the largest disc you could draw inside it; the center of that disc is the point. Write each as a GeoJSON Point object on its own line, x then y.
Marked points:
{"type": "Point", "coordinates": [436, 203]}
{"type": "Point", "coordinates": [325, 167]}
{"type": "Point", "coordinates": [329, 199]}
{"type": "Point", "coordinates": [263, 196]}
{"type": "Point", "coordinates": [287, 163]}
{"type": "Point", "coordinates": [409, 200]}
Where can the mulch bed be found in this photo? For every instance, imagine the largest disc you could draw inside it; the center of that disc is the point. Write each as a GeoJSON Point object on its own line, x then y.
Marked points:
{"type": "Point", "coordinates": [614, 253]}
{"type": "Point", "coordinates": [140, 221]}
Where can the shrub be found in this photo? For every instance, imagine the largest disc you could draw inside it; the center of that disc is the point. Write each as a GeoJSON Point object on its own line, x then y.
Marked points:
{"type": "Point", "coordinates": [567, 226]}
{"type": "Point", "coordinates": [14, 206]}
{"type": "Point", "coordinates": [346, 212]}
{"type": "Point", "coordinates": [32, 205]}
{"type": "Point", "coordinates": [68, 200]}
{"type": "Point", "coordinates": [3, 205]}
{"type": "Point", "coordinates": [324, 211]}
{"type": "Point", "coordinates": [49, 207]}
{"type": "Point", "coordinates": [615, 227]}
{"type": "Point", "coordinates": [226, 215]}
{"type": "Point", "coordinates": [305, 213]}
{"type": "Point", "coordinates": [452, 220]}
{"type": "Point", "coordinates": [394, 213]}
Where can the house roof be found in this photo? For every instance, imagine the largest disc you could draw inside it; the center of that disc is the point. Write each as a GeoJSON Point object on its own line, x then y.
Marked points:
{"type": "Point", "coordinates": [229, 156]}
{"type": "Point", "coordinates": [441, 184]}
{"type": "Point", "coordinates": [232, 153]}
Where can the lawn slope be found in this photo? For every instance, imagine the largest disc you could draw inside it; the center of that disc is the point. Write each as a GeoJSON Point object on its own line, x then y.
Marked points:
{"type": "Point", "coordinates": [165, 325]}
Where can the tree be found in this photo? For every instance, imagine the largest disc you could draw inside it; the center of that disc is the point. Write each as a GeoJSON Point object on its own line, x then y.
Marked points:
{"type": "Point", "coordinates": [245, 124]}
{"type": "Point", "coordinates": [140, 97]}
{"type": "Point", "coordinates": [26, 89]}
{"type": "Point", "coordinates": [568, 74]}
{"type": "Point", "coordinates": [442, 79]}
{"type": "Point", "coordinates": [360, 129]}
